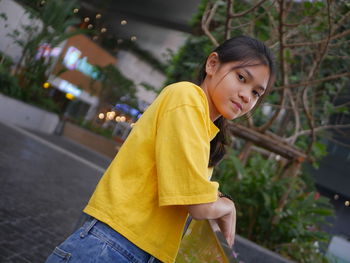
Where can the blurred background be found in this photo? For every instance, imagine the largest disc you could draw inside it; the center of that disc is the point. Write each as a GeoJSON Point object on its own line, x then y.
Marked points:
{"type": "Point", "coordinates": [76, 75]}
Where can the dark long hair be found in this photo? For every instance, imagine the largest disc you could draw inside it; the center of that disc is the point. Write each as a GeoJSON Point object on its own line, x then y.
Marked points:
{"type": "Point", "coordinates": [237, 49]}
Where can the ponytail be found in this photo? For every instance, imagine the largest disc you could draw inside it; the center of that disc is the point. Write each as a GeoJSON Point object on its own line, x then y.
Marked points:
{"type": "Point", "coordinates": [218, 144]}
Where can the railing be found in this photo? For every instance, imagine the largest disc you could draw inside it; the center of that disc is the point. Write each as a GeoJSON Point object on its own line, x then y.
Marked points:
{"type": "Point", "coordinates": [204, 243]}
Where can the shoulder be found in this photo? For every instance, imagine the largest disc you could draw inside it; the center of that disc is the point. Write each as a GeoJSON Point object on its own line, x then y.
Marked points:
{"type": "Point", "coordinates": [184, 88]}
{"type": "Point", "coordinates": [184, 93]}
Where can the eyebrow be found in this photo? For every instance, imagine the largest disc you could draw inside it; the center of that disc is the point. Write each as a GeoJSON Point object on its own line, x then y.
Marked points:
{"type": "Point", "coordinates": [251, 76]}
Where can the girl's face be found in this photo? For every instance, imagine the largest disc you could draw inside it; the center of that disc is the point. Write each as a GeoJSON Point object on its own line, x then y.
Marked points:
{"type": "Point", "coordinates": [231, 92]}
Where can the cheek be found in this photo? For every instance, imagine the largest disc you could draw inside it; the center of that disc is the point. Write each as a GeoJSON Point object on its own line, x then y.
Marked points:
{"type": "Point", "coordinates": [216, 94]}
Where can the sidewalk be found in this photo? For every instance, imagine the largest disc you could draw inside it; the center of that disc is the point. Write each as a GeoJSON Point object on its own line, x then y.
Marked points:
{"type": "Point", "coordinates": [75, 148]}
{"type": "Point", "coordinates": [45, 182]}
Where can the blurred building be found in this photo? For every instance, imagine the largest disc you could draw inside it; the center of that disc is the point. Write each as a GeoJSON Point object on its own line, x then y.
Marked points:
{"type": "Point", "coordinates": [73, 60]}
{"type": "Point", "coordinates": [78, 74]}
{"type": "Point", "coordinates": [158, 28]}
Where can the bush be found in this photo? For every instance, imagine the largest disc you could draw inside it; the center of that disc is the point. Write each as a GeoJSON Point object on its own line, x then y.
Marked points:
{"type": "Point", "coordinates": [9, 84]}
{"type": "Point", "coordinates": [257, 189]}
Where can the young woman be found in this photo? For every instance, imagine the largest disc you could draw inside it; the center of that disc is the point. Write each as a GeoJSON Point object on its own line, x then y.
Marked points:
{"type": "Point", "coordinates": [162, 172]}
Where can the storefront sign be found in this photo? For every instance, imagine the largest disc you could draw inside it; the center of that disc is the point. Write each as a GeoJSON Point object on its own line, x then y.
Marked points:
{"type": "Point", "coordinates": [73, 61]}
{"type": "Point", "coordinates": [68, 87]}
{"type": "Point", "coordinates": [45, 51]}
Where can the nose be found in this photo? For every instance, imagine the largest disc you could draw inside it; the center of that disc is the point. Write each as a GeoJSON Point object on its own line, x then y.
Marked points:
{"type": "Point", "coordinates": [244, 96]}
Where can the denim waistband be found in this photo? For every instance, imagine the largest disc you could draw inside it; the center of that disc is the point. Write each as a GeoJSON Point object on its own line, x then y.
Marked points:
{"type": "Point", "coordinates": [116, 240]}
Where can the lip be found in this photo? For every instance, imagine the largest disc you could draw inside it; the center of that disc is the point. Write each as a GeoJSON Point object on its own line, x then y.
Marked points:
{"type": "Point", "coordinates": [237, 104]}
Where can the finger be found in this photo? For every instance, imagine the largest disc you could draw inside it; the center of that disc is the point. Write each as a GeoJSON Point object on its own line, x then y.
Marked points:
{"type": "Point", "coordinates": [228, 239]}
{"type": "Point", "coordinates": [232, 239]}
{"type": "Point", "coordinates": [230, 242]}
{"type": "Point", "coordinates": [230, 231]}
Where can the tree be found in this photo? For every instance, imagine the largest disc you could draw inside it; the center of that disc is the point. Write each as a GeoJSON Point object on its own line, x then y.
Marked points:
{"type": "Point", "coordinates": [311, 55]}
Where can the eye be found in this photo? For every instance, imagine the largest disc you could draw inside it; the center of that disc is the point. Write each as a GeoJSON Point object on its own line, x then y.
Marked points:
{"type": "Point", "coordinates": [241, 78]}
{"type": "Point", "coordinates": [256, 94]}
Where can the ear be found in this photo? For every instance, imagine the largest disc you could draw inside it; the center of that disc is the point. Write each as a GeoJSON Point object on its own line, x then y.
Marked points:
{"type": "Point", "coordinates": [212, 63]}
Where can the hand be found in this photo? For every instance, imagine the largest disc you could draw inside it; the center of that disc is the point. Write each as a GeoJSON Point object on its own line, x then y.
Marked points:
{"type": "Point", "coordinates": [227, 225]}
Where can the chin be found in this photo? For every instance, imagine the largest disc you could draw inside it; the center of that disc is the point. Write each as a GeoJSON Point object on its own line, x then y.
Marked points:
{"type": "Point", "coordinates": [230, 116]}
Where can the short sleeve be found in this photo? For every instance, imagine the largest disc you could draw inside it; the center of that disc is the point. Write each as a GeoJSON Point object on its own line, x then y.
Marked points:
{"type": "Point", "coordinates": [182, 157]}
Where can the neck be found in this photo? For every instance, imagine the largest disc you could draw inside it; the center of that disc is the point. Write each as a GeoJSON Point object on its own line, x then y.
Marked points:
{"type": "Point", "coordinates": [213, 113]}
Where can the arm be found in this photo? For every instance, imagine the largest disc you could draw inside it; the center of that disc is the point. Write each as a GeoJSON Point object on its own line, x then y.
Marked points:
{"type": "Point", "coordinates": [223, 211]}
{"type": "Point", "coordinates": [215, 210]}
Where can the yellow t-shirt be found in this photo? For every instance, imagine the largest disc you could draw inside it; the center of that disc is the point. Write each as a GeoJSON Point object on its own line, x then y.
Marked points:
{"type": "Point", "coordinates": [162, 165]}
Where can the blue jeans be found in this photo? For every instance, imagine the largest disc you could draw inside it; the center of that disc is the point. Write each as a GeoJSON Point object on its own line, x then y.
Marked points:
{"type": "Point", "coordinates": [97, 242]}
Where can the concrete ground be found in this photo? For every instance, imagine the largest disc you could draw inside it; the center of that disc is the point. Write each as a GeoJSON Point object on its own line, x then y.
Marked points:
{"type": "Point", "coordinates": [45, 181]}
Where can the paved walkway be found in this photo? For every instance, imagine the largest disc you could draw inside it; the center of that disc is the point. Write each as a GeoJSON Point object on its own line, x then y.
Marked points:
{"type": "Point", "coordinates": [45, 181]}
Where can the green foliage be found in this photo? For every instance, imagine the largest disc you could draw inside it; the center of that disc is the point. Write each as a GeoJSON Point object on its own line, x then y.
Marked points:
{"type": "Point", "coordinates": [197, 18]}
{"type": "Point", "coordinates": [49, 24]}
{"type": "Point", "coordinates": [115, 87]}
{"type": "Point", "coordinates": [3, 16]}
{"type": "Point", "coordinates": [46, 103]}
{"type": "Point", "coordinates": [186, 63]}
{"type": "Point", "coordinates": [319, 150]}
{"type": "Point", "coordinates": [8, 83]}
{"type": "Point", "coordinates": [149, 87]}
{"type": "Point", "coordinates": [257, 189]}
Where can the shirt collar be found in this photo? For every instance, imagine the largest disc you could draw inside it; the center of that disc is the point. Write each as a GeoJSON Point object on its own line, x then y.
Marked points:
{"type": "Point", "coordinates": [213, 130]}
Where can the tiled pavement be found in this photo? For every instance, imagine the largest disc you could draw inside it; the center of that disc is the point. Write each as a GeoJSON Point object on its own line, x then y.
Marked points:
{"type": "Point", "coordinates": [42, 191]}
